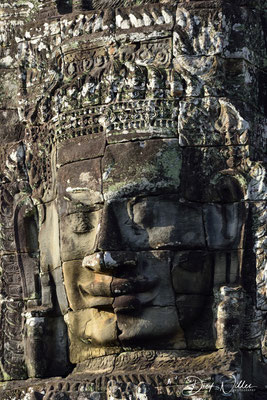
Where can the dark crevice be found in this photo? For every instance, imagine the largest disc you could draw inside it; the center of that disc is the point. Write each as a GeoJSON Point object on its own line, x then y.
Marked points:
{"type": "Point", "coordinates": [64, 6]}
{"type": "Point", "coordinates": [228, 268]}
{"type": "Point", "coordinates": [81, 160]}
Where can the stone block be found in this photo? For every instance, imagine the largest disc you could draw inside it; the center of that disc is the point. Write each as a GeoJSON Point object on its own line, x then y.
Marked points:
{"type": "Point", "coordinates": [78, 234]}
{"type": "Point", "coordinates": [223, 30]}
{"type": "Point", "coordinates": [56, 341]}
{"type": "Point", "coordinates": [141, 118]}
{"type": "Point", "coordinates": [93, 326]}
{"type": "Point", "coordinates": [49, 238]}
{"type": "Point", "coordinates": [60, 290]}
{"type": "Point", "coordinates": [26, 228]}
{"type": "Point", "coordinates": [11, 345]}
{"type": "Point", "coordinates": [84, 286]}
{"type": "Point", "coordinates": [80, 148]}
{"type": "Point", "coordinates": [167, 222]}
{"type": "Point", "coordinates": [206, 181]}
{"type": "Point", "coordinates": [7, 242]}
{"type": "Point", "coordinates": [148, 283]}
{"type": "Point", "coordinates": [11, 284]}
{"type": "Point", "coordinates": [227, 267]}
{"type": "Point", "coordinates": [146, 329]}
{"type": "Point", "coordinates": [154, 166]}
{"type": "Point", "coordinates": [224, 225]}
{"type": "Point", "coordinates": [248, 272]}
{"type": "Point", "coordinates": [11, 128]}
{"type": "Point", "coordinates": [156, 222]}
{"type": "Point", "coordinates": [196, 319]}
{"type": "Point", "coordinates": [192, 273]}
{"type": "Point", "coordinates": [30, 265]}
{"type": "Point", "coordinates": [212, 122]}
{"type": "Point", "coordinates": [252, 324]}
{"type": "Point", "coordinates": [20, 275]}
{"type": "Point", "coordinates": [44, 337]}
{"type": "Point", "coordinates": [219, 77]}
{"type": "Point", "coordinates": [82, 183]}
{"type": "Point", "coordinates": [229, 308]}
{"type": "Point", "coordinates": [47, 291]}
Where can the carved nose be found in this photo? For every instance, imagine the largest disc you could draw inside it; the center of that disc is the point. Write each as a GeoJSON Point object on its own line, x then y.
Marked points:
{"type": "Point", "coordinates": [108, 262]}
{"type": "Point", "coordinates": [109, 237]}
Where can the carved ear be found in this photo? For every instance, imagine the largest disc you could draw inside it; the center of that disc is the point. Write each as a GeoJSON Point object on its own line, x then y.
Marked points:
{"type": "Point", "coordinates": [230, 190]}
{"type": "Point", "coordinates": [228, 186]}
{"type": "Point", "coordinates": [224, 224]}
{"type": "Point", "coordinates": [26, 238]}
{"type": "Point", "coordinates": [41, 166]}
{"type": "Point", "coordinates": [225, 219]}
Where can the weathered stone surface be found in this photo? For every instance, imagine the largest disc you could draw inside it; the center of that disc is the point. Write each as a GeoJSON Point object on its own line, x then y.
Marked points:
{"type": "Point", "coordinates": [59, 290]}
{"type": "Point", "coordinates": [152, 222]}
{"type": "Point", "coordinates": [45, 336]}
{"type": "Point", "coordinates": [12, 359]}
{"type": "Point", "coordinates": [135, 331]}
{"type": "Point", "coordinates": [145, 23]}
{"type": "Point", "coordinates": [84, 286]}
{"type": "Point", "coordinates": [227, 267]}
{"type": "Point", "coordinates": [48, 238]}
{"type": "Point", "coordinates": [142, 119]}
{"type": "Point", "coordinates": [78, 234]}
{"type": "Point", "coordinates": [226, 26]}
{"type": "Point", "coordinates": [192, 273]}
{"type": "Point", "coordinates": [11, 129]}
{"type": "Point", "coordinates": [154, 167]}
{"type": "Point", "coordinates": [213, 182]}
{"type": "Point", "coordinates": [10, 277]}
{"type": "Point", "coordinates": [168, 222]}
{"type": "Point", "coordinates": [214, 122]}
{"type": "Point", "coordinates": [132, 198]}
{"type": "Point", "coordinates": [92, 326]}
{"type": "Point", "coordinates": [31, 277]}
{"type": "Point", "coordinates": [80, 148]}
{"type": "Point", "coordinates": [83, 186]}
{"type": "Point", "coordinates": [229, 222]}
{"type": "Point", "coordinates": [78, 385]}
{"type": "Point", "coordinates": [216, 76]}
{"type": "Point", "coordinates": [196, 318]}
{"type": "Point", "coordinates": [230, 309]}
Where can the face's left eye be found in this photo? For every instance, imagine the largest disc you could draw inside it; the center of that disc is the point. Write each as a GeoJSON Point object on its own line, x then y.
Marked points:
{"type": "Point", "coordinates": [81, 222]}
{"type": "Point", "coordinates": [143, 213]}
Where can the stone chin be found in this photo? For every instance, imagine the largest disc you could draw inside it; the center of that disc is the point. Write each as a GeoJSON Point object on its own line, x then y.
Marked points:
{"type": "Point", "coordinates": [151, 327]}
{"type": "Point", "coordinates": [132, 312]}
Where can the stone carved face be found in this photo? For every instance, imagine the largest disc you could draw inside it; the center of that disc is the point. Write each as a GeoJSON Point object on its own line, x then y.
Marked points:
{"type": "Point", "coordinates": [139, 261]}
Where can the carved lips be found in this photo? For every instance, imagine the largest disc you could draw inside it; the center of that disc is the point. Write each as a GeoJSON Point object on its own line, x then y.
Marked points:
{"type": "Point", "coordinates": [123, 294]}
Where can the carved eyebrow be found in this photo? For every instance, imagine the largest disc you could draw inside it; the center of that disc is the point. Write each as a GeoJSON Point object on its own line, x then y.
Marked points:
{"type": "Point", "coordinates": [77, 189]}
{"type": "Point", "coordinates": [75, 206]}
{"type": "Point", "coordinates": [84, 208]}
{"type": "Point", "coordinates": [129, 206]}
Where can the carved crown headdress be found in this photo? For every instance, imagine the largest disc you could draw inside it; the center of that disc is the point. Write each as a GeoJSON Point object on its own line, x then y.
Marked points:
{"type": "Point", "coordinates": [85, 78]}
{"type": "Point", "coordinates": [123, 73]}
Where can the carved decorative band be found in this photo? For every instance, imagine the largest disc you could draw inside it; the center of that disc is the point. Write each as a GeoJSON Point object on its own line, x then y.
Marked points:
{"type": "Point", "coordinates": [146, 116]}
